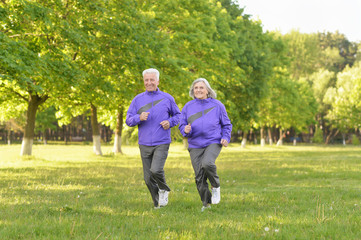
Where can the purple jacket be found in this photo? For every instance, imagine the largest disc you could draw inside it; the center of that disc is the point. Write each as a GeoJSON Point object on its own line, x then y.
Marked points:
{"type": "Point", "coordinates": [209, 122]}
{"type": "Point", "coordinates": [161, 106]}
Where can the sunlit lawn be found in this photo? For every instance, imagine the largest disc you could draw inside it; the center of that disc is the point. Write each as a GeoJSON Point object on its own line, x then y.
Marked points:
{"type": "Point", "coordinates": [288, 192]}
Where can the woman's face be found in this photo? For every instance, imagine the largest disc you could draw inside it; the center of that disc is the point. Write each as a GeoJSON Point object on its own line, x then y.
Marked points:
{"type": "Point", "coordinates": [200, 90]}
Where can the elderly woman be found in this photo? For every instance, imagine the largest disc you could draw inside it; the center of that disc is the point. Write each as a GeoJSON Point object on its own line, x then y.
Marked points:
{"type": "Point", "coordinates": [204, 121]}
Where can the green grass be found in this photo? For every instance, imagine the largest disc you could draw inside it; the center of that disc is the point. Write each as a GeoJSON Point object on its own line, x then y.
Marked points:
{"type": "Point", "coordinates": [66, 192]}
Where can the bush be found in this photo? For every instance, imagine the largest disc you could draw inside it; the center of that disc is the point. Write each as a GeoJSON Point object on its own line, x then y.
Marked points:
{"type": "Point", "coordinates": [355, 140]}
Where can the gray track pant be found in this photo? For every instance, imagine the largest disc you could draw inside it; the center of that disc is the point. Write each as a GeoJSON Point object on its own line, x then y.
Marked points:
{"type": "Point", "coordinates": [203, 162]}
{"type": "Point", "coordinates": [153, 158]}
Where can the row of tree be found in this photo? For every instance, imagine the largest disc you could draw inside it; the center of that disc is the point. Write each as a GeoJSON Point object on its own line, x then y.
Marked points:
{"type": "Point", "coordinates": [77, 57]}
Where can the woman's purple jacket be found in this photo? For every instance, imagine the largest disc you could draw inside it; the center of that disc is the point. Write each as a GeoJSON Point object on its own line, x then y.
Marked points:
{"type": "Point", "coordinates": [209, 122]}
{"type": "Point", "coordinates": [161, 106]}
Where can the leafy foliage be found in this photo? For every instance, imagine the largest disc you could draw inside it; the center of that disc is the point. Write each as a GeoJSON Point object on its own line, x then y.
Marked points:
{"type": "Point", "coordinates": [346, 99]}
{"type": "Point", "coordinates": [76, 54]}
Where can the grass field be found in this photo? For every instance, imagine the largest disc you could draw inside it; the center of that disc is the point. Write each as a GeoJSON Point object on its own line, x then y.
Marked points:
{"type": "Point", "coordinates": [288, 192]}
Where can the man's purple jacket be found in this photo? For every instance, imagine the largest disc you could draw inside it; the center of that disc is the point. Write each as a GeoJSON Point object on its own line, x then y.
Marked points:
{"type": "Point", "coordinates": [209, 122]}
{"type": "Point", "coordinates": [161, 106]}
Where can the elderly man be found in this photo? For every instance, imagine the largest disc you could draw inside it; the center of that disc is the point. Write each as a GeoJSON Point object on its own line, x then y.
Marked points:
{"type": "Point", "coordinates": [155, 112]}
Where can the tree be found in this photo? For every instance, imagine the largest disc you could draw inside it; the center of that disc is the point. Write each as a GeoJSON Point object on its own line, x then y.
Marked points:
{"type": "Point", "coordinates": [338, 43]}
{"type": "Point", "coordinates": [244, 83]}
{"type": "Point", "coordinates": [317, 60]}
{"type": "Point", "coordinates": [290, 104]}
{"type": "Point", "coordinates": [320, 82]}
{"type": "Point", "coordinates": [64, 51]}
{"type": "Point", "coordinates": [345, 99]}
{"type": "Point", "coordinates": [34, 63]}
{"type": "Point", "coordinates": [304, 51]}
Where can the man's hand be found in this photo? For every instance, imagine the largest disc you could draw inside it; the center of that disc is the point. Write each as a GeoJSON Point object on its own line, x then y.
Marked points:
{"type": "Point", "coordinates": [224, 142]}
{"type": "Point", "coordinates": [187, 128]}
{"type": "Point", "coordinates": [143, 116]}
{"type": "Point", "coordinates": [165, 124]}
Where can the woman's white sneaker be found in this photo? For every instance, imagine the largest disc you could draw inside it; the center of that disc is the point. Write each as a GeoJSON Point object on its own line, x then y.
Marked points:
{"type": "Point", "coordinates": [216, 195]}
{"type": "Point", "coordinates": [206, 207]}
{"type": "Point", "coordinates": [163, 197]}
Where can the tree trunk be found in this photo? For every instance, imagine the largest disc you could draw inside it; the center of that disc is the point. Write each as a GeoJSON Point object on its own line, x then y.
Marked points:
{"type": "Point", "coordinates": [88, 131]}
{"type": "Point", "coordinates": [45, 136]}
{"type": "Point", "coordinates": [118, 132]}
{"type": "Point", "coordinates": [280, 140]}
{"type": "Point", "coordinates": [329, 136]}
{"type": "Point", "coordinates": [9, 135]}
{"type": "Point", "coordinates": [310, 135]}
{"type": "Point", "coordinates": [295, 139]}
{"type": "Point", "coordinates": [255, 138]}
{"type": "Point", "coordinates": [270, 137]}
{"type": "Point", "coordinates": [244, 139]}
{"type": "Point", "coordinates": [263, 141]}
{"type": "Point", "coordinates": [65, 134]}
{"type": "Point", "coordinates": [33, 104]}
{"type": "Point", "coordinates": [96, 133]}
{"type": "Point", "coordinates": [343, 139]}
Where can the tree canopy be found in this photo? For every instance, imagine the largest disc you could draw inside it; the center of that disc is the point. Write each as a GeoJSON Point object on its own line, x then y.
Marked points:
{"type": "Point", "coordinates": [86, 57]}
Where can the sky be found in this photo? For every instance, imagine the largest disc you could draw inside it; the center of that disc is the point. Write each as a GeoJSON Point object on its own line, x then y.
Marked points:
{"type": "Point", "coordinates": [307, 16]}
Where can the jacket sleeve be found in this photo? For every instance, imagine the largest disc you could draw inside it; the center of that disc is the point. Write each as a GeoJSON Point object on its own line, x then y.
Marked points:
{"type": "Point", "coordinates": [174, 113]}
{"type": "Point", "coordinates": [183, 123]}
{"type": "Point", "coordinates": [225, 124]}
{"type": "Point", "coordinates": [132, 118]}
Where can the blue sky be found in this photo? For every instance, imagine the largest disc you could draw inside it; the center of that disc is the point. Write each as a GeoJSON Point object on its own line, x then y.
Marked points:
{"type": "Point", "coordinates": [307, 16]}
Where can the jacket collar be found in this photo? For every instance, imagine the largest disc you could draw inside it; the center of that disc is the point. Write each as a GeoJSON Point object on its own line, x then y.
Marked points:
{"type": "Point", "coordinates": [207, 100]}
{"type": "Point", "coordinates": [152, 92]}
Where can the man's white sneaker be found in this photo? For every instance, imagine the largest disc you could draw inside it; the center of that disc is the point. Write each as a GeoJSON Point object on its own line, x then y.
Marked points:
{"type": "Point", "coordinates": [216, 195]}
{"type": "Point", "coordinates": [163, 197]}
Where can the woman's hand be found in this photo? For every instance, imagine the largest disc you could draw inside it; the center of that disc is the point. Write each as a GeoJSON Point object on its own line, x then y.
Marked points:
{"type": "Point", "coordinates": [188, 128]}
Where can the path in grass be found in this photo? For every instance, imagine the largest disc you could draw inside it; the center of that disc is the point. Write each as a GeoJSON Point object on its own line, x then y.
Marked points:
{"type": "Point", "coordinates": [66, 192]}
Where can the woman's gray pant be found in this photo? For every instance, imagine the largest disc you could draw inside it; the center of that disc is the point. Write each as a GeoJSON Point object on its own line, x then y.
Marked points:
{"type": "Point", "coordinates": [153, 158]}
{"type": "Point", "coordinates": [203, 162]}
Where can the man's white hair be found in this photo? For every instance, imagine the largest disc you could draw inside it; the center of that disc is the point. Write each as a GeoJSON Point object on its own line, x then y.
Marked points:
{"type": "Point", "coordinates": [152, 71]}
{"type": "Point", "coordinates": [211, 92]}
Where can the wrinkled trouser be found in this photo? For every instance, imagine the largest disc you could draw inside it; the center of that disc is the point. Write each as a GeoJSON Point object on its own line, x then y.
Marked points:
{"type": "Point", "coordinates": [203, 162]}
{"type": "Point", "coordinates": [153, 158]}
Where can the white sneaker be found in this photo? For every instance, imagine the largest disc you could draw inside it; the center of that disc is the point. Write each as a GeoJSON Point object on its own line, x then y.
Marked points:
{"type": "Point", "coordinates": [216, 195]}
{"type": "Point", "coordinates": [163, 197]}
{"type": "Point", "coordinates": [205, 207]}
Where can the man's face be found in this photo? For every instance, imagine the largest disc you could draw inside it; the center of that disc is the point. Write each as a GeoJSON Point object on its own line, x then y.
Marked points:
{"type": "Point", "coordinates": [150, 82]}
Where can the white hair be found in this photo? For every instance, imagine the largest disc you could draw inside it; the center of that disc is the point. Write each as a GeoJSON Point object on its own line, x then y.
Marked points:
{"type": "Point", "coordinates": [152, 71]}
{"type": "Point", "coordinates": [211, 92]}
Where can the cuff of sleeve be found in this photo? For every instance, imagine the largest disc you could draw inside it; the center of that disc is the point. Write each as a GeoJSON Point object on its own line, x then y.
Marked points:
{"type": "Point", "coordinates": [137, 119]}
{"type": "Point", "coordinates": [170, 123]}
{"type": "Point", "coordinates": [227, 138]}
{"type": "Point", "coordinates": [188, 134]}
